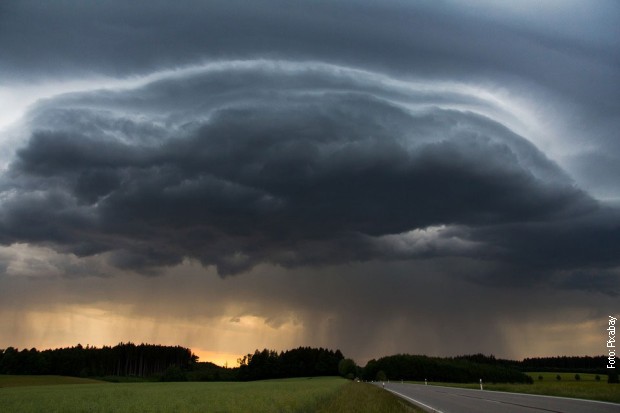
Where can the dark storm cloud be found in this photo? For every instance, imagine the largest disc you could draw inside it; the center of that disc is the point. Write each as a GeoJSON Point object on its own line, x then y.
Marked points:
{"type": "Point", "coordinates": [239, 163]}
{"type": "Point", "coordinates": [262, 162]}
{"type": "Point", "coordinates": [569, 54]}
{"type": "Point", "coordinates": [386, 175]}
{"type": "Point", "coordinates": [449, 38]}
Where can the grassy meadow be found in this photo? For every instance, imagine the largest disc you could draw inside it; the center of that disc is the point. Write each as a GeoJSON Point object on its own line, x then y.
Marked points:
{"type": "Point", "coordinates": [585, 388]}
{"type": "Point", "coordinates": [325, 394]}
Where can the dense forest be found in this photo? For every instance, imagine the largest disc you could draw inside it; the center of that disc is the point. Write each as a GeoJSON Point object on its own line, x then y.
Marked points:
{"type": "Point", "coordinates": [583, 364]}
{"type": "Point", "coordinates": [167, 363]}
{"type": "Point", "coordinates": [300, 362]}
{"type": "Point", "coordinates": [124, 359]}
{"type": "Point", "coordinates": [465, 369]}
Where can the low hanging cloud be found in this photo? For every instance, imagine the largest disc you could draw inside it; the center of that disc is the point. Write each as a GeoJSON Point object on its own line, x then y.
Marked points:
{"type": "Point", "coordinates": [295, 164]}
{"type": "Point", "coordinates": [379, 177]}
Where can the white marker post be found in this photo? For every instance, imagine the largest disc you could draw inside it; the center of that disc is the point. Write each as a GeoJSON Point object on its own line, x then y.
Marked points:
{"type": "Point", "coordinates": [481, 385]}
{"type": "Point", "coordinates": [425, 382]}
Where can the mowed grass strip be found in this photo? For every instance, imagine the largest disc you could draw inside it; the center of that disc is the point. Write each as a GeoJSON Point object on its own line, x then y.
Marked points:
{"type": "Point", "coordinates": [327, 394]}
{"type": "Point", "coordinates": [365, 398]}
{"type": "Point", "coordinates": [585, 388]}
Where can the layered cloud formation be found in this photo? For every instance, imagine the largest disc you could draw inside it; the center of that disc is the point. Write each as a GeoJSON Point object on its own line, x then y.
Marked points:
{"type": "Point", "coordinates": [421, 146]}
{"type": "Point", "coordinates": [291, 164]}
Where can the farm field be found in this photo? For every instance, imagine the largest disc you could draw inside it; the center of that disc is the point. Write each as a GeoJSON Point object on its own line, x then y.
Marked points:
{"type": "Point", "coordinates": [585, 388]}
{"type": "Point", "coordinates": [326, 394]}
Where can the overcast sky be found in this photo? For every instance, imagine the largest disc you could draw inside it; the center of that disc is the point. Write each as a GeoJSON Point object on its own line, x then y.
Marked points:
{"type": "Point", "coordinates": [427, 177]}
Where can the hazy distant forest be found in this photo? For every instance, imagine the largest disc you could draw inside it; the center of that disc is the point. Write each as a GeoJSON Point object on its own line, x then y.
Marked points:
{"type": "Point", "coordinates": [167, 363]}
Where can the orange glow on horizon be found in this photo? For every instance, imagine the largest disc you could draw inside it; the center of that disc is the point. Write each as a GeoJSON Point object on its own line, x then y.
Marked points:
{"type": "Point", "coordinates": [220, 358]}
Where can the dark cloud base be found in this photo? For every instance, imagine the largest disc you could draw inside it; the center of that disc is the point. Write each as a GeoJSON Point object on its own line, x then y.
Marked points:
{"type": "Point", "coordinates": [394, 176]}
{"type": "Point", "coordinates": [295, 167]}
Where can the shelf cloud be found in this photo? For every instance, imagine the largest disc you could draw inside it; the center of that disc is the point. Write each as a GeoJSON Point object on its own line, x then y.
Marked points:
{"type": "Point", "coordinates": [418, 146]}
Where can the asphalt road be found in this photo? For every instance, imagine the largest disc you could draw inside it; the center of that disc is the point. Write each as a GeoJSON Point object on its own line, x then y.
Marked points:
{"type": "Point", "coordinates": [454, 400]}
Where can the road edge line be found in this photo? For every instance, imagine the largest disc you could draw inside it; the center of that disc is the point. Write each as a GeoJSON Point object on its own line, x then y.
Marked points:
{"type": "Point", "coordinates": [432, 409]}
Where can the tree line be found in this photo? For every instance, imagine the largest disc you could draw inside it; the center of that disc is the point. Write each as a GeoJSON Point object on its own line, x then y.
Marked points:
{"type": "Point", "coordinates": [176, 363]}
{"type": "Point", "coordinates": [299, 362]}
{"type": "Point", "coordinates": [583, 364]}
{"type": "Point", "coordinates": [124, 359]}
{"type": "Point", "coordinates": [471, 368]}
{"type": "Point", "coordinates": [464, 369]}
{"type": "Point", "coordinates": [167, 363]}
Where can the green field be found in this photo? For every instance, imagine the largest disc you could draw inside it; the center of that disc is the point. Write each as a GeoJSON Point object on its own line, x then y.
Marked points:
{"type": "Point", "coordinates": [585, 388]}
{"type": "Point", "coordinates": [327, 394]}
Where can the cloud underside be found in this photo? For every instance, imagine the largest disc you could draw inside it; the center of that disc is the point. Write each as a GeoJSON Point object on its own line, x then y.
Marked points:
{"type": "Point", "coordinates": [265, 163]}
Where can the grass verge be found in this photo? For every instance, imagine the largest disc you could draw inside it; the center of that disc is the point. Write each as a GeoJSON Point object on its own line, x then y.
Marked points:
{"type": "Point", "coordinates": [365, 398]}
{"type": "Point", "coordinates": [585, 388]}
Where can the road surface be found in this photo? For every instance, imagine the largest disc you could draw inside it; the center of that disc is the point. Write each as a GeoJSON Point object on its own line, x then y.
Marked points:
{"type": "Point", "coordinates": [454, 400]}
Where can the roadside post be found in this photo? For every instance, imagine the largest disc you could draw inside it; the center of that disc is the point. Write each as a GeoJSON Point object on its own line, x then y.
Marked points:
{"type": "Point", "coordinates": [481, 385]}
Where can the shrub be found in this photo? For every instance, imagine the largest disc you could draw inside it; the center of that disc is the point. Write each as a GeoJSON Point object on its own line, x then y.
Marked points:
{"type": "Point", "coordinates": [173, 373]}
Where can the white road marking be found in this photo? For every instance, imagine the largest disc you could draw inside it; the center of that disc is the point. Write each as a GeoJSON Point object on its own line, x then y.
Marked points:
{"type": "Point", "coordinates": [415, 401]}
